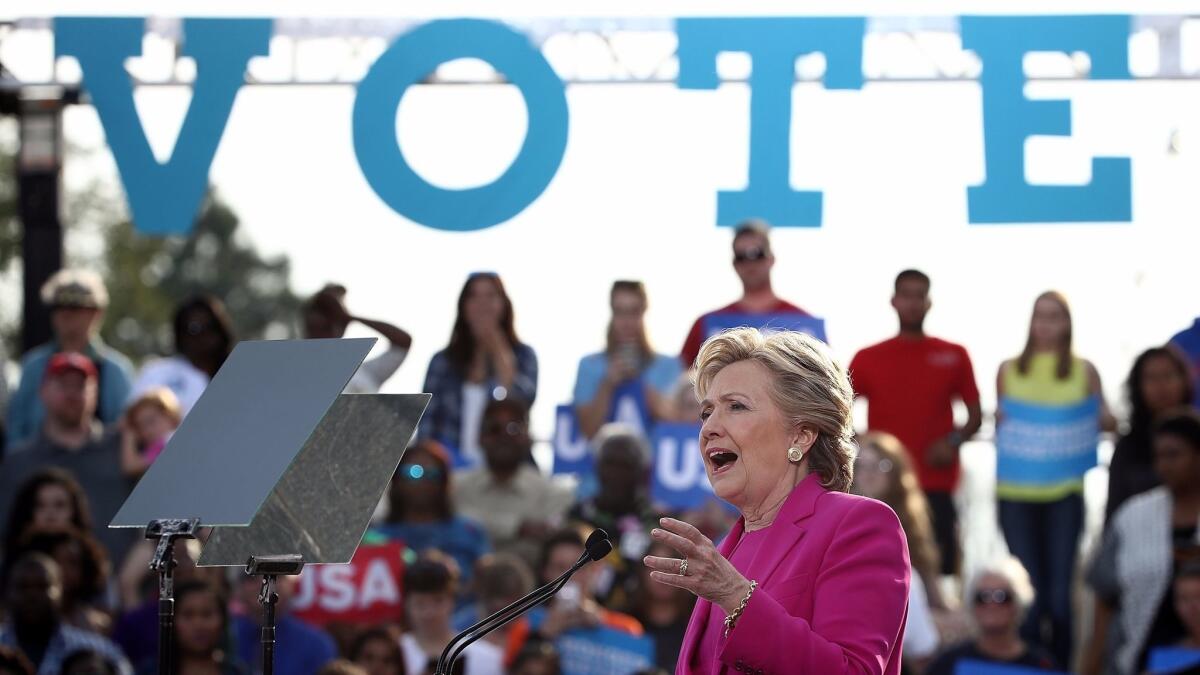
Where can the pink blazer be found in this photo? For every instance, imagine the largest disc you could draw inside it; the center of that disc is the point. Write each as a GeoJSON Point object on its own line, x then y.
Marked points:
{"type": "Point", "coordinates": [832, 592]}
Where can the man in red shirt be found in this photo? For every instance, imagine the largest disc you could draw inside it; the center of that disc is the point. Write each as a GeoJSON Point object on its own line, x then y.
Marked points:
{"type": "Point", "coordinates": [752, 260]}
{"type": "Point", "coordinates": [910, 383]}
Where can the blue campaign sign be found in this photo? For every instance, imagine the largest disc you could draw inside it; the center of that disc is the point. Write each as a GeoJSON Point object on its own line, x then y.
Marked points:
{"type": "Point", "coordinates": [1172, 659]}
{"type": "Point", "coordinates": [680, 481]}
{"type": "Point", "coordinates": [629, 406]}
{"type": "Point", "coordinates": [600, 650]}
{"type": "Point", "coordinates": [572, 452]}
{"type": "Point", "coordinates": [1046, 444]}
{"type": "Point", "coordinates": [804, 323]}
{"type": "Point", "coordinates": [458, 458]}
{"type": "Point", "coordinates": [973, 667]}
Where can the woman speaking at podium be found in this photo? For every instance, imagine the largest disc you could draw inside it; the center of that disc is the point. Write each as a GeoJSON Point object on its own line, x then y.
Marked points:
{"type": "Point", "coordinates": [810, 579]}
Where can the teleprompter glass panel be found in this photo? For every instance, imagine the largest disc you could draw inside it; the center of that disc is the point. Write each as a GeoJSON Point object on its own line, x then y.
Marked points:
{"type": "Point", "coordinates": [244, 432]}
{"type": "Point", "coordinates": [324, 502]}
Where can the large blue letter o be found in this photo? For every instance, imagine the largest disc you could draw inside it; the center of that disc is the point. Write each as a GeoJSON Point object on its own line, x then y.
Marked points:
{"type": "Point", "coordinates": [407, 61]}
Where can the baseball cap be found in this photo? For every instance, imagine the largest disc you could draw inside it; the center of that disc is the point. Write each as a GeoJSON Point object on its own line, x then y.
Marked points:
{"type": "Point", "coordinates": [65, 362]}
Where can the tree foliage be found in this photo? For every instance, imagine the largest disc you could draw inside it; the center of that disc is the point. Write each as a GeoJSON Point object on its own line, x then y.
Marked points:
{"type": "Point", "coordinates": [148, 277]}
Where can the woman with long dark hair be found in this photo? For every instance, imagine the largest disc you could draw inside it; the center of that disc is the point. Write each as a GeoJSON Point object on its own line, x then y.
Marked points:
{"type": "Point", "coordinates": [201, 633]}
{"type": "Point", "coordinates": [204, 337]}
{"type": "Point", "coordinates": [1149, 539]}
{"type": "Point", "coordinates": [1159, 381]}
{"type": "Point", "coordinates": [421, 513]}
{"type": "Point", "coordinates": [484, 361]}
{"type": "Point", "coordinates": [49, 498]}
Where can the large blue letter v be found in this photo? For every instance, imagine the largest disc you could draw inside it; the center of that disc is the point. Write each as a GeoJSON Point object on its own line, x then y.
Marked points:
{"type": "Point", "coordinates": [163, 198]}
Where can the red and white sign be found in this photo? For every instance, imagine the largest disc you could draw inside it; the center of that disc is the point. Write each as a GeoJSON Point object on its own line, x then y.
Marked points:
{"type": "Point", "coordinates": [366, 590]}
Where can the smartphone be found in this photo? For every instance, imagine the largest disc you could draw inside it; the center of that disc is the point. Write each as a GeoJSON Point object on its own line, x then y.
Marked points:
{"type": "Point", "coordinates": [632, 355]}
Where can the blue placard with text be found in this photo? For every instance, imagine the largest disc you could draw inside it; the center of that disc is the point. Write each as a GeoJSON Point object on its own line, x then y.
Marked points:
{"type": "Point", "coordinates": [680, 481]}
{"type": "Point", "coordinates": [973, 667]}
{"type": "Point", "coordinates": [599, 650]}
{"type": "Point", "coordinates": [1172, 659]}
{"type": "Point", "coordinates": [1040, 444]}
{"type": "Point", "coordinates": [572, 452]}
{"type": "Point", "coordinates": [804, 323]}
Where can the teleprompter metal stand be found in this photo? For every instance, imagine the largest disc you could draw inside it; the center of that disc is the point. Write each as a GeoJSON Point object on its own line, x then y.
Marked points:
{"type": "Point", "coordinates": [269, 567]}
{"type": "Point", "coordinates": [167, 532]}
{"type": "Point", "coordinates": [276, 461]}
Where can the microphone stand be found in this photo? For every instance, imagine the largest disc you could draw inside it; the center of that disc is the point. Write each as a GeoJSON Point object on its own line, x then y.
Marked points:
{"type": "Point", "coordinates": [597, 547]}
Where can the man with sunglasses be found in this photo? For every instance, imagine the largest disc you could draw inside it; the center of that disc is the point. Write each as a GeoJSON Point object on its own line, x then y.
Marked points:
{"type": "Point", "coordinates": [752, 260]}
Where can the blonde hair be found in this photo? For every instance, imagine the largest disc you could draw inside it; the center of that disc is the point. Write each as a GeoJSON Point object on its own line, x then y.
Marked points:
{"type": "Point", "coordinates": [160, 398]}
{"type": "Point", "coordinates": [808, 385]}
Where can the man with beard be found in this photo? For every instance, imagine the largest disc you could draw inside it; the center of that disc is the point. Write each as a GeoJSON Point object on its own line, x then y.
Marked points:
{"type": "Point", "coordinates": [513, 501]}
{"type": "Point", "coordinates": [72, 438]}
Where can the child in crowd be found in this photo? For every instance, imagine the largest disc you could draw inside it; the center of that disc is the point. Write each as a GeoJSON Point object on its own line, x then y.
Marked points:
{"type": "Point", "coordinates": [146, 427]}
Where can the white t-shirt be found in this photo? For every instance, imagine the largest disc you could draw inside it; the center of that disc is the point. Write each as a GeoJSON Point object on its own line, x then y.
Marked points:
{"type": "Point", "coordinates": [481, 658]}
{"type": "Point", "coordinates": [371, 375]}
{"type": "Point", "coordinates": [474, 402]}
{"type": "Point", "coordinates": [176, 373]}
{"type": "Point", "coordinates": [920, 633]}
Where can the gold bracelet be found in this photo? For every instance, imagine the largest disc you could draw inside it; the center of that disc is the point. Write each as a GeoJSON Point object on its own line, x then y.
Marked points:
{"type": "Point", "coordinates": [737, 613]}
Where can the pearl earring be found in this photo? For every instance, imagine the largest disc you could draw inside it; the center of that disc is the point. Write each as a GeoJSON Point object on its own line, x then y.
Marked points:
{"type": "Point", "coordinates": [795, 454]}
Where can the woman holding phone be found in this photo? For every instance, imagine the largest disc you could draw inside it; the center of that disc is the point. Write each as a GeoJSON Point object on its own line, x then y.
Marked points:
{"type": "Point", "coordinates": [627, 370]}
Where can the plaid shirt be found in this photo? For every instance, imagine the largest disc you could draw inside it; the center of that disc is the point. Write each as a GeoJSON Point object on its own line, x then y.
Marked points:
{"type": "Point", "coordinates": [443, 417]}
{"type": "Point", "coordinates": [66, 642]}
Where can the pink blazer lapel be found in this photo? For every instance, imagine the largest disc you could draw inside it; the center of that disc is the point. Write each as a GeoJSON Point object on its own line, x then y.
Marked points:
{"type": "Point", "coordinates": [786, 531]}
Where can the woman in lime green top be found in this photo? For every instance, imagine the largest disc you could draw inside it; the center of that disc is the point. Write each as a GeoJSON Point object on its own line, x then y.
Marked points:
{"type": "Point", "coordinates": [1042, 520]}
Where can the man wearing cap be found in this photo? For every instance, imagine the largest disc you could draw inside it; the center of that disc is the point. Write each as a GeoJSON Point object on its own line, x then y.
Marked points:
{"type": "Point", "coordinates": [77, 299]}
{"type": "Point", "coordinates": [70, 437]}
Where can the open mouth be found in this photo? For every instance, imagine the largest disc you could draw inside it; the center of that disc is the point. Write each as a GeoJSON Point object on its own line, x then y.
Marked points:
{"type": "Point", "coordinates": [722, 459]}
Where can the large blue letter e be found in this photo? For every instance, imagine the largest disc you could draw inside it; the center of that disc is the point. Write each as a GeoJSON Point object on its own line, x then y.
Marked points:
{"type": "Point", "coordinates": [1009, 118]}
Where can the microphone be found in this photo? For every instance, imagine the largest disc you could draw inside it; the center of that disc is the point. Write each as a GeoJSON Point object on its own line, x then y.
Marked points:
{"type": "Point", "coordinates": [596, 547]}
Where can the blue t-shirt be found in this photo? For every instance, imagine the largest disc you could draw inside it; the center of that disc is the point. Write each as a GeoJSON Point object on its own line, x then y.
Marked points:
{"type": "Point", "coordinates": [602, 650]}
{"type": "Point", "coordinates": [300, 649]}
{"type": "Point", "coordinates": [662, 374]}
{"type": "Point", "coordinates": [460, 538]}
